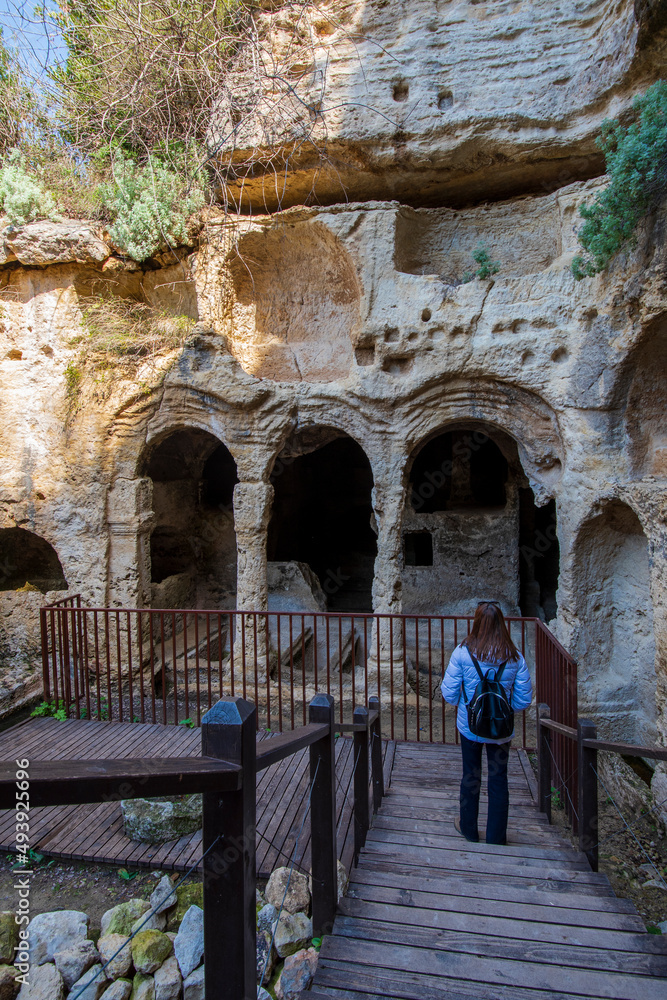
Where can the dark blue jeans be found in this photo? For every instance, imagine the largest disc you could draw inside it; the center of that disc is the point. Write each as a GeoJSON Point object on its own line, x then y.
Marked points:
{"type": "Point", "coordinates": [497, 755]}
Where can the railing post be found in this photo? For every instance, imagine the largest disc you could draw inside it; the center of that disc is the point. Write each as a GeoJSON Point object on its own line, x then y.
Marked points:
{"type": "Point", "coordinates": [46, 680]}
{"type": "Point", "coordinates": [360, 758]}
{"type": "Point", "coordinates": [544, 761]}
{"type": "Point", "coordinates": [323, 818]}
{"type": "Point", "coordinates": [376, 755]}
{"type": "Point", "coordinates": [587, 761]}
{"type": "Point", "coordinates": [228, 732]}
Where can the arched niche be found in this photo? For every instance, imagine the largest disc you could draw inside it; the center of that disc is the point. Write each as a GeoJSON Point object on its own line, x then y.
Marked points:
{"type": "Point", "coordinates": [617, 678]}
{"type": "Point", "coordinates": [323, 519]}
{"type": "Point", "coordinates": [472, 529]}
{"type": "Point", "coordinates": [193, 542]}
{"type": "Point", "coordinates": [28, 560]}
{"type": "Point", "coordinates": [296, 303]}
{"type": "Point", "coordinates": [646, 404]}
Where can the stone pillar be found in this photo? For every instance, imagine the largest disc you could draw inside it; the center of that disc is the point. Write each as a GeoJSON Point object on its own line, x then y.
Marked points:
{"type": "Point", "coordinates": [252, 513]}
{"type": "Point", "coordinates": [130, 518]}
{"type": "Point", "coordinates": [387, 640]}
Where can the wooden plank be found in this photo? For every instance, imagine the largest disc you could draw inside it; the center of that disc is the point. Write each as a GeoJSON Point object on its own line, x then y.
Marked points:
{"type": "Point", "coordinates": [390, 833]}
{"type": "Point", "coordinates": [529, 774]}
{"type": "Point", "coordinates": [540, 840]}
{"type": "Point", "coordinates": [483, 970]}
{"type": "Point", "coordinates": [501, 925]}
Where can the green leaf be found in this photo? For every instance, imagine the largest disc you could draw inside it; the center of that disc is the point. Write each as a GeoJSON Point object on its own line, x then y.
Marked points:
{"type": "Point", "coordinates": [127, 876]}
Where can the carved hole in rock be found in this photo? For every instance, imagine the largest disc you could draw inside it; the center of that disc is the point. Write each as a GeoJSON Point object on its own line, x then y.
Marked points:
{"type": "Point", "coordinates": [392, 335]}
{"type": "Point", "coordinates": [413, 336]}
{"type": "Point", "coordinates": [617, 644]}
{"type": "Point", "coordinates": [397, 366]}
{"type": "Point", "coordinates": [560, 354]}
{"type": "Point", "coordinates": [426, 315]}
{"type": "Point", "coordinates": [445, 99]}
{"type": "Point", "coordinates": [467, 488]}
{"type": "Point", "coordinates": [364, 356]}
{"type": "Point", "coordinates": [193, 542]}
{"type": "Point", "coordinates": [47, 350]}
{"type": "Point", "coordinates": [526, 356]}
{"type": "Point", "coordinates": [28, 560]}
{"type": "Point", "coordinates": [14, 355]}
{"type": "Point", "coordinates": [322, 515]}
{"type": "Point", "coordinates": [296, 304]}
{"type": "Point", "coordinates": [646, 425]}
{"type": "Point", "coordinates": [418, 548]}
{"type": "Point", "coordinates": [400, 90]}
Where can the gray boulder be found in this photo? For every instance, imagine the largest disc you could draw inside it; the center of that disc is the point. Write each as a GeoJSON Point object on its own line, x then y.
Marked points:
{"type": "Point", "coordinates": [266, 956]}
{"type": "Point", "coordinates": [168, 980]}
{"type": "Point", "coordinates": [294, 931]}
{"type": "Point", "coordinates": [156, 922]}
{"type": "Point", "coordinates": [120, 990]}
{"type": "Point", "coordinates": [267, 918]}
{"type": "Point", "coordinates": [163, 896]}
{"type": "Point", "coordinates": [143, 987]}
{"type": "Point", "coordinates": [297, 974]}
{"type": "Point", "coordinates": [45, 983]}
{"type": "Point", "coordinates": [55, 931]}
{"type": "Point", "coordinates": [119, 919]}
{"type": "Point", "coordinates": [288, 889]}
{"type": "Point", "coordinates": [189, 942]}
{"type": "Point", "coordinates": [263, 994]}
{"type": "Point", "coordinates": [154, 821]}
{"type": "Point", "coordinates": [92, 984]}
{"type": "Point", "coordinates": [72, 962]}
{"type": "Point", "coordinates": [115, 950]}
{"type": "Point", "coordinates": [193, 987]}
{"type": "Point", "coordinates": [41, 243]}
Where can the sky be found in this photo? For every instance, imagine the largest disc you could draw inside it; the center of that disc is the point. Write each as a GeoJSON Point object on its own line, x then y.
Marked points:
{"type": "Point", "coordinates": [31, 34]}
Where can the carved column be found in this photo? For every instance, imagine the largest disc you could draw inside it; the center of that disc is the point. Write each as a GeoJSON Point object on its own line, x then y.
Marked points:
{"type": "Point", "coordinates": [130, 518]}
{"type": "Point", "coordinates": [387, 641]}
{"type": "Point", "coordinates": [252, 513]}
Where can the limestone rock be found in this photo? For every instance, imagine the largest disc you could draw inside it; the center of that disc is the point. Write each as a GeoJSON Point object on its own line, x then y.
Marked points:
{"type": "Point", "coordinates": [149, 950]}
{"type": "Point", "coordinates": [267, 918]}
{"type": "Point", "coordinates": [342, 879]}
{"type": "Point", "coordinates": [119, 919]}
{"type": "Point", "coordinates": [115, 945]}
{"type": "Point", "coordinates": [259, 899]}
{"type": "Point", "coordinates": [190, 894]}
{"type": "Point", "coordinates": [92, 984]}
{"type": "Point", "coordinates": [42, 243]}
{"type": "Point", "coordinates": [45, 983]}
{"type": "Point", "coordinates": [168, 980]}
{"type": "Point", "coordinates": [9, 935]}
{"type": "Point", "coordinates": [72, 962]}
{"type": "Point", "coordinates": [266, 956]}
{"type": "Point", "coordinates": [163, 896]}
{"type": "Point", "coordinates": [193, 986]}
{"type": "Point", "coordinates": [189, 943]}
{"type": "Point", "coordinates": [297, 974]}
{"type": "Point", "coordinates": [288, 889]}
{"type": "Point", "coordinates": [294, 931]}
{"type": "Point", "coordinates": [143, 987]}
{"type": "Point", "coordinates": [154, 821]}
{"type": "Point", "coordinates": [8, 985]}
{"type": "Point", "coordinates": [263, 994]}
{"type": "Point", "coordinates": [156, 922]}
{"type": "Point", "coordinates": [56, 931]}
{"type": "Point", "coordinates": [120, 990]}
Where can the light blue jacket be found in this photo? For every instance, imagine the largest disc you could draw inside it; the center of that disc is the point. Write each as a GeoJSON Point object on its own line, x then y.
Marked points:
{"type": "Point", "coordinates": [461, 672]}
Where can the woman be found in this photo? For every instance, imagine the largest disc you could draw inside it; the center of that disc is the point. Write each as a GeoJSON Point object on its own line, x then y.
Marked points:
{"type": "Point", "coordinates": [489, 642]}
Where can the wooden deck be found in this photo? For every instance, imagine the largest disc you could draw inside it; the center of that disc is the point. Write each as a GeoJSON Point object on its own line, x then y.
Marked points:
{"type": "Point", "coordinates": [431, 917]}
{"type": "Point", "coordinates": [95, 832]}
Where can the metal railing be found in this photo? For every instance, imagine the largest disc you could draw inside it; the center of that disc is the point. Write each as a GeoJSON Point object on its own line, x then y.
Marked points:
{"type": "Point", "coordinates": [169, 666]}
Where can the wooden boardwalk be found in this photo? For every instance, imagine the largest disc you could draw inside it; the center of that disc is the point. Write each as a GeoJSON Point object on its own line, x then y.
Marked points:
{"type": "Point", "coordinates": [431, 917]}
{"type": "Point", "coordinates": [95, 832]}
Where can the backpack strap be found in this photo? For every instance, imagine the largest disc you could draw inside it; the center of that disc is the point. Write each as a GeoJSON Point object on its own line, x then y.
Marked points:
{"type": "Point", "coordinates": [477, 666]}
{"type": "Point", "coordinates": [500, 669]}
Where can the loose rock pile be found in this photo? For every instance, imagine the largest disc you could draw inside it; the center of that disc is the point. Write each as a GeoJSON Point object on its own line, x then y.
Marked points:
{"type": "Point", "coordinates": [155, 950]}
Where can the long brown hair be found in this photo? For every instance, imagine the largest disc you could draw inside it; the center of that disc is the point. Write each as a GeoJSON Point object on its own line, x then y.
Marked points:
{"type": "Point", "coordinates": [489, 639]}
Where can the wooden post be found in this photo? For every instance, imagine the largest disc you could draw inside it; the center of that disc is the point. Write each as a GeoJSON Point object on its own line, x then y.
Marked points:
{"type": "Point", "coordinates": [360, 758]}
{"type": "Point", "coordinates": [376, 755]}
{"type": "Point", "coordinates": [228, 732]}
{"type": "Point", "coordinates": [587, 762]}
{"type": "Point", "coordinates": [544, 761]}
{"type": "Point", "coordinates": [323, 818]}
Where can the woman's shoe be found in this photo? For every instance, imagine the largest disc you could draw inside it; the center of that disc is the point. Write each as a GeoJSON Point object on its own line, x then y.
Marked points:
{"type": "Point", "coordinates": [457, 827]}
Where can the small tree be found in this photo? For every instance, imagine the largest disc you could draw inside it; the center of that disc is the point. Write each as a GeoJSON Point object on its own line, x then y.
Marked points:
{"type": "Point", "coordinates": [636, 157]}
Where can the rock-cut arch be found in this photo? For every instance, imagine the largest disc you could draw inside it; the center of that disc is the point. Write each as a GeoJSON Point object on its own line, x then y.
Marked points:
{"type": "Point", "coordinates": [28, 560]}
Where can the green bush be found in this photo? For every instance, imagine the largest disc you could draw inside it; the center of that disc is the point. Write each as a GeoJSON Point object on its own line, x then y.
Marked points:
{"type": "Point", "coordinates": [485, 266]}
{"type": "Point", "coordinates": [151, 205]}
{"type": "Point", "coordinates": [636, 158]}
{"type": "Point", "coordinates": [22, 196]}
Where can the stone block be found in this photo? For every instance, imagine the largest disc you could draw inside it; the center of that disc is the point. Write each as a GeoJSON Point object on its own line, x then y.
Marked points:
{"type": "Point", "coordinates": [45, 983]}
{"type": "Point", "coordinates": [9, 935]}
{"type": "Point", "coordinates": [189, 943]}
{"type": "Point", "coordinates": [119, 919]}
{"type": "Point", "coordinates": [150, 949]}
{"type": "Point", "coordinates": [168, 980]}
{"type": "Point", "coordinates": [59, 930]}
{"type": "Point", "coordinates": [92, 984]}
{"type": "Point", "coordinates": [288, 889]}
{"type": "Point", "coordinates": [154, 821]}
{"type": "Point", "coordinates": [115, 949]}
{"type": "Point", "coordinates": [294, 931]}
{"type": "Point", "coordinates": [193, 986]}
{"type": "Point", "coordinates": [297, 974]}
{"type": "Point", "coordinates": [72, 962]}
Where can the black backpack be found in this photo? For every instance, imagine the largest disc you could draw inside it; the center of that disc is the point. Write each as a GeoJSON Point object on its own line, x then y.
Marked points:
{"type": "Point", "coordinates": [490, 715]}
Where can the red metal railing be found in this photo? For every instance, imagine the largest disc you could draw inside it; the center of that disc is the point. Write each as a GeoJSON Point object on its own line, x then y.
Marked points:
{"type": "Point", "coordinates": [556, 686]}
{"type": "Point", "coordinates": [170, 666]}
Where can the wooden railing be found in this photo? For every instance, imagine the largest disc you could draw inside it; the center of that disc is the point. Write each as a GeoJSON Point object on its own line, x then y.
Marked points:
{"type": "Point", "coordinates": [226, 777]}
{"type": "Point", "coordinates": [152, 665]}
{"type": "Point", "coordinates": [580, 785]}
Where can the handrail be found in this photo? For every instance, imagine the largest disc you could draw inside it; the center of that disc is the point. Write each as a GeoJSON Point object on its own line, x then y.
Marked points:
{"type": "Point", "coordinates": [627, 749]}
{"type": "Point", "coordinates": [285, 744]}
{"type": "Point", "coordinates": [558, 727]}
